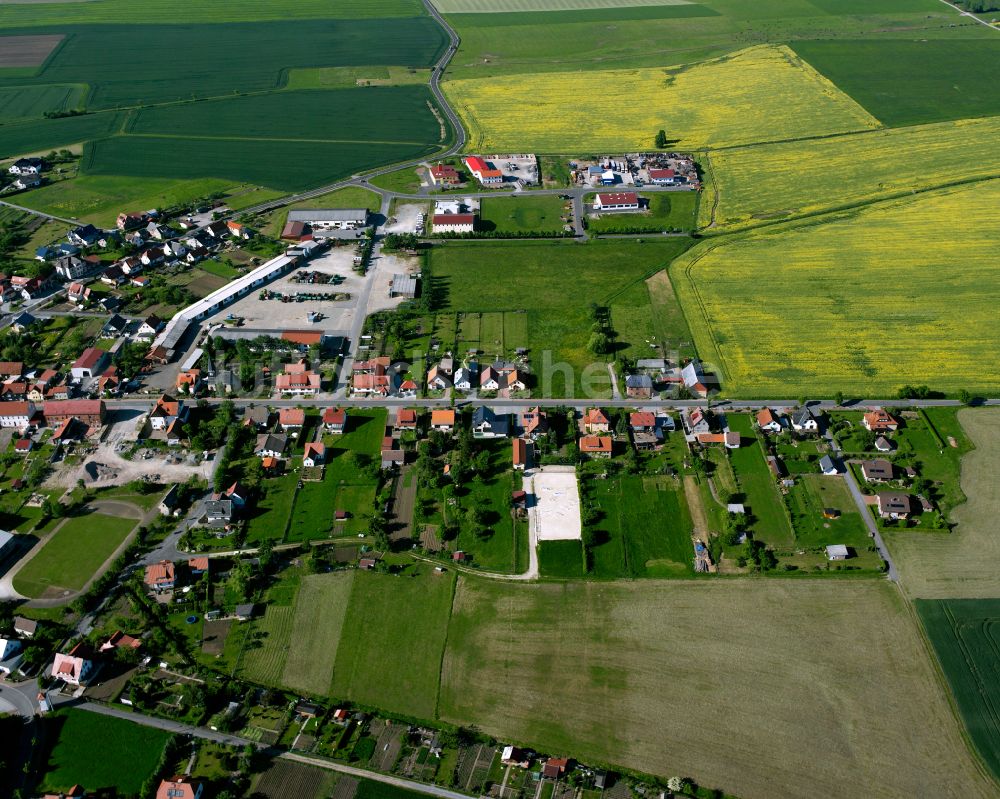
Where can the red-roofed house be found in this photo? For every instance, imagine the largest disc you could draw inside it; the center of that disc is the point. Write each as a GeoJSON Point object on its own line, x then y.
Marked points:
{"type": "Point", "coordinates": [16, 414]}
{"type": "Point", "coordinates": [160, 576]}
{"type": "Point", "coordinates": [454, 223]}
{"type": "Point", "coordinates": [303, 384]}
{"type": "Point", "coordinates": [663, 177]}
{"type": "Point", "coordinates": [335, 420]}
{"type": "Point", "coordinates": [521, 453]}
{"type": "Point", "coordinates": [120, 640]}
{"type": "Point", "coordinates": [617, 201]}
{"type": "Point", "coordinates": [199, 565]}
{"type": "Point", "coordinates": [166, 411]}
{"type": "Point", "coordinates": [315, 454]}
{"type": "Point", "coordinates": [879, 421]}
{"type": "Point", "coordinates": [74, 668]}
{"type": "Point", "coordinates": [179, 788]}
{"type": "Point", "coordinates": [596, 446]}
{"type": "Point", "coordinates": [596, 421]}
{"type": "Point", "coordinates": [91, 363]}
{"type": "Point", "coordinates": [90, 412]}
{"type": "Point", "coordinates": [642, 422]}
{"type": "Point", "coordinates": [767, 421]}
{"type": "Point", "coordinates": [406, 419]}
{"type": "Point", "coordinates": [291, 418]}
{"type": "Point", "coordinates": [444, 175]}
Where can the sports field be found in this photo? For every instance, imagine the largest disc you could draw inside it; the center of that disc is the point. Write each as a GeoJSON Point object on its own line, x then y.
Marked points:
{"type": "Point", "coordinates": [768, 688]}
{"type": "Point", "coordinates": [966, 637]}
{"type": "Point", "coordinates": [758, 94]}
{"type": "Point", "coordinates": [556, 282]}
{"type": "Point", "coordinates": [320, 608]}
{"type": "Point", "coordinates": [73, 555]}
{"type": "Point", "coordinates": [81, 755]}
{"type": "Point", "coordinates": [522, 214]}
{"type": "Point", "coordinates": [862, 302]}
{"type": "Point", "coordinates": [963, 563]}
{"type": "Point", "coordinates": [768, 182]}
{"type": "Point", "coordinates": [389, 654]}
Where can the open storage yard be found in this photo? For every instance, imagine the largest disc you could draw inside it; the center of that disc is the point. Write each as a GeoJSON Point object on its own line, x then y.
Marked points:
{"type": "Point", "coordinates": [847, 276]}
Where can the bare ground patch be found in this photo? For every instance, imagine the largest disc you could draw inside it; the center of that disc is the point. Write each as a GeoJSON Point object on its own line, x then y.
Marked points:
{"type": "Point", "coordinates": [27, 51]}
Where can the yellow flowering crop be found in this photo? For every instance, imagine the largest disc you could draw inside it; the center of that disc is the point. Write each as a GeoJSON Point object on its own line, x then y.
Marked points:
{"type": "Point", "coordinates": [904, 292]}
{"type": "Point", "coordinates": [760, 94]}
{"type": "Point", "coordinates": [777, 180]}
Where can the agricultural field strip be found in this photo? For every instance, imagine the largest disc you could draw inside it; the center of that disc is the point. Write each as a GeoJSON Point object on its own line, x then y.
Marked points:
{"type": "Point", "coordinates": [752, 336]}
{"type": "Point", "coordinates": [762, 183]}
{"type": "Point", "coordinates": [515, 6]}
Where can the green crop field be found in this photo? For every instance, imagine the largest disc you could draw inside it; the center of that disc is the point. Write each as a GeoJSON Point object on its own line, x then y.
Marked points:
{"type": "Point", "coordinates": [522, 214]}
{"type": "Point", "coordinates": [560, 559]}
{"type": "Point", "coordinates": [766, 182]}
{"type": "Point", "coordinates": [752, 333]}
{"type": "Point", "coordinates": [666, 211]}
{"type": "Point", "coordinates": [266, 649]}
{"type": "Point", "coordinates": [911, 82]}
{"type": "Point", "coordinates": [556, 283]}
{"type": "Point", "coordinates": [41, 135]}
{"type": "Point", "coordinates": [320, 608]}
{"type": "Point", "coordinates": [768, 685]}
{"type": "Point", "coordinates": [33, 101]}
{"type": "Point", "coordinates": [966, 637]}
{"type": "Point", "coordinates": [644, 531]}
{"type": "Point", "coordinates": [94, 750]}
{"type": "Point", "coordinates": [393, 636]}
{"type": "Point", "coordinates": [73, 555]}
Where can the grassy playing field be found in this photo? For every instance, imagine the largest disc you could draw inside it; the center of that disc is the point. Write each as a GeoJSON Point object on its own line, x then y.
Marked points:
{"type": "Point", "coordinates": [870, 270]}
{"type": "Point", "coordinates": [671, 211]}
{"type": "Point", "coordinates": [80, 754]}
{"type": "Point", "coordinates": [522, 214]}
{"type": "Point", "coordinates": [389, 654]}
{"type": "Point", "coordinates": [556, 282]}
{"type": "Point", "coordinates": [962, 563]}
{"type": "Point", "coordinates": [320, 608]}
{"type": "Point", "coordinates": [964, 633]}
{"type": "Point", "coordinates": [724, 102]}
{"type": "Point", "coordinates": [73, 555]}
{"type": "Point", "coordinates": [561, 559]}
{"type": "Point", "coordinates": [911, 82]}
{"type": "Point", "coordinates": [766, 688]}
{"type": "Point", "coordinates": [774, 181]}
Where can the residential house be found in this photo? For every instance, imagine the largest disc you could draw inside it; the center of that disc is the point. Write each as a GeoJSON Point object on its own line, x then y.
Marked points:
{"type": "Point", "coordinates": [10, 654]}
{"type": "Point", "coordinates": [91, 363]}
{"type": "Point", "coordinates": [805, 420]}
{"type": "Point", "coordinates": [879, 421]}
{"type": "Point", "coordinates": [335, 420]}
{"type": "Point", "coordinates": [894, 505]}
{"type": "Point", "coordinates": [463, 379]}
{"type": "Point", "coordinates": [444, 175]}
{"type": "Point", "coordinates": [150, 327]}
{"type": "Point", "coordinates": [694, 379]}
{"type": "Point", "coordinates": [217, 513]}
{"type": "Point", "coordinates": [110, 381]}
{"type": "Point", "coordinates": [78, 293]}
{"type": "Point", "coordinates": [189, 382]}
{"type": "Point", "coordinates": [768, 421]}
{"type": "Point", "coordinates": [443, 420]}
{"type": "Point", "coordinates": [645, 432]}
{"type": "Point", "coordinates": [114, 327]}
{"type": "Point", "coordinates": [555, 767]}
{"type": "Point", "coordinates": [170, 500]}
{"type": "Point", "coordinates": [512, 382]}
{"type": "Point", "coordinates": [121, 640]}
{"type": "Point", "coordinates": [437, 380]}
{"type": "Point", "coordinates": [315, 454]}
{"type": "Point", "coordinates": [406, 419]}
{"type": "Point", "coordinates": [23, 446]}
{"type": "Point", "coordinates": [534, 423]}
{"type": "Point", "coordinates": [166, 411]}
{"type": "Point", "coordinates": [72, 267]}
{"type": "Point", "coordinates": [32, 165]}
{"type": "Point", "coordinates": [596, 446]}
{"type": "Point", "coordinates": [27, 287]}
{"type": "Point", "coordinates": [128, 221]}
{"type": "Point", "coordinates": [16, 415]}
{"type": "Point", "coordinates": [521, 453]}
{"type": "Point", "coordinates": [489, 379]}
{"type": "Point", "coordinates": [113, 276]}
{"type": "Point", "coordinates": [371, 384]}
{"type": "Point", "coordinates": [639, 386]}
{"type": "Point", "coordinates": [487, 424]}
{"type": "Point", "coordinates": [408, 389]}
{"type": "Point", "coordinates": [259, 416]}
{"type": "Point", "coordinates": [291, 420]}
{"type": "Point", "coordinates": [883, 444]}
{"type": "Point", "coordinates": [391, 454]}
{"type": "Point", "coordinates": [878, 470]}
{"type": "Point", "coordinates": [22, 322]}
{"type": "Point", "coordinates": [240, 231]}
{"type": "Point", "coordinates": [828, 466]}
{"type": "Point", "coordinates": [837, 552]}
{"type": "Point", "coordinates": [27, 181]}
{"type": "Point", "coordinates": [76, 667]}
{"type": "Point", "coordinates": [596, 421]}
{"type": "Point", "coordinates": [513, 756]}
{"type": "Point", "coordinates": [84, 236]}
{"type": "Point", "coordinates": [271, 445]}
{"type": "Point", "coordinates": [302, 384]}
{"type": "Point", "coordinates": [617, 201]}
{"type": "Point", "coordinates": [161, 576]}
{"type": "Point", "coordinates": [26, 628]}
{"type": "Point", "coordinates": [11, 370]}
{"type": "Point", "coordinates": [696, 421]}
{"type": "Point", "coordinates": [237, 493]}
{"type": "Point", "coordinates": [179, 788]}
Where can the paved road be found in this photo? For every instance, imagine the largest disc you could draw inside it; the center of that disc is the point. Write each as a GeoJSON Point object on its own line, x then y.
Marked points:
{"type": "Point", "coordinates": [970, 15]}
{"type": "Point", "coordinates": [859, 500]}
{"type": "Point", "coordinates": [21, 697]}
{"type": "Point", "coordinates": [235, 740]}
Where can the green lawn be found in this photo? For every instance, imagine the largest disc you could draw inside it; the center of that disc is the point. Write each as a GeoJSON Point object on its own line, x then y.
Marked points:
{"type": "Point", "coordinates": [99, 751]}
{"type": "Point", "coordinates": [644, 529]}
{"type": "Point", "coordinates": [219, 269]}
{"type": "Point", "coordinates": [807, 500]}
{"type": "Point", "coordinates": [392, 642]}
{"type": "Point", "coordinates": [667, 211]}
{"type": "Point", "coordinates": [73, 555]}
{"type": "Point", "coordinates": [269, 516]}
{"type": "Point", "coordinates": [561, 559]}
{"type": "Point", "coordinates": [523, 213]}
{"type": "Point", "coordinates": [556, 282]}
{"type": "Point", "coordinates": [320, 610]}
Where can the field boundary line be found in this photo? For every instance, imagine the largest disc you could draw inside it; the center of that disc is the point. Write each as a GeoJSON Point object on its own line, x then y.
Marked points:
{"type": "Point", "coordinates": [444, 648]}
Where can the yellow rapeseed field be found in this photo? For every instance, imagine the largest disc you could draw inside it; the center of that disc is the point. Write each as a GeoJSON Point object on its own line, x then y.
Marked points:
{"type": "Point", "coordinates": [760, 94]}
{"type": "Point", "coordinates": [903, 292]}
{"type": "Point", "coordinates": [774, 181]}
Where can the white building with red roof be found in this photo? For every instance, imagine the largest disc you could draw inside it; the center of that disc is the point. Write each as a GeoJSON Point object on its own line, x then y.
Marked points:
{"type": "Point", "coordinates": [483, 171]}
{"type": "Point", "coordinates": [617, 201]}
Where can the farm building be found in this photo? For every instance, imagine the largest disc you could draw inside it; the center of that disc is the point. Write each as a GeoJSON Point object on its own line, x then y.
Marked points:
{"type": "Point", "coordinates": [454, 223]}
{"type": "Point", "coordinates": [330, 218]}
{"type": "Point", "coordinates": [403, 286]}
{"type": "Point", "coordinates": [617, 201]}
{"type": "Point", "coordinates": [90, 363]}
{"type": "Point", "coordinates": [483, 171]}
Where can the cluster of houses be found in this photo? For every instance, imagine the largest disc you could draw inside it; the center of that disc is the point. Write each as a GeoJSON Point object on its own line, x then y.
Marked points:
{"type": "Point", "coordinates": [653, 375]}
{"type": "Point", "coordinates": [32, 400]}
{"type": "Point", "coordinates": [504, 377]}
{"type": "Point", "coordinates": [27, 173]}
{"type": "Point", "coordinates": [298, 380]}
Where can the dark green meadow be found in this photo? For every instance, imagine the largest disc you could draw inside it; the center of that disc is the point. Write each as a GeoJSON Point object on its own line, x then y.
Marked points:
{"type": "Point", "coordinates": [966, 637]}
{"type": "Point", "coordinates": [912, 82]}
{"type": "Point", "coordinates": [38, 135]}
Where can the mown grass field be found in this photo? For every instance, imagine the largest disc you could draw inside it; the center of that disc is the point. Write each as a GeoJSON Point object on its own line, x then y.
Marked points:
{"type": "Point", "coordinates": [81, 754]}
{"type": "Point", "coordinates": [758, 94]}
{"type": "Point", "coordinates": [522, 214]}
{"type": "Point", "coordinates": [703, 656]}
{"type": "Point", "coordinates": [267, 647]}
{"type": "Point", "coordinates": [771, 182]}
{"type": "Point", "coordinates": [966, 637]}
{"type": "Point", "coordinates": [961, 564]}
{"type": "Point", "coordinates": [911, 82]}
{"type": "Point", "coordinates": [73, 555]}
{"type": "Point", "coordinates": [884, 268]}
{"type": "Point", "coordinates": [563, 560]}
{"type": "Point", "coordinates": [389, 654]}
{"type": "Point", "coordinates": [320, 608]}
{"type": "Point", "coordinates": [556, 282]}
